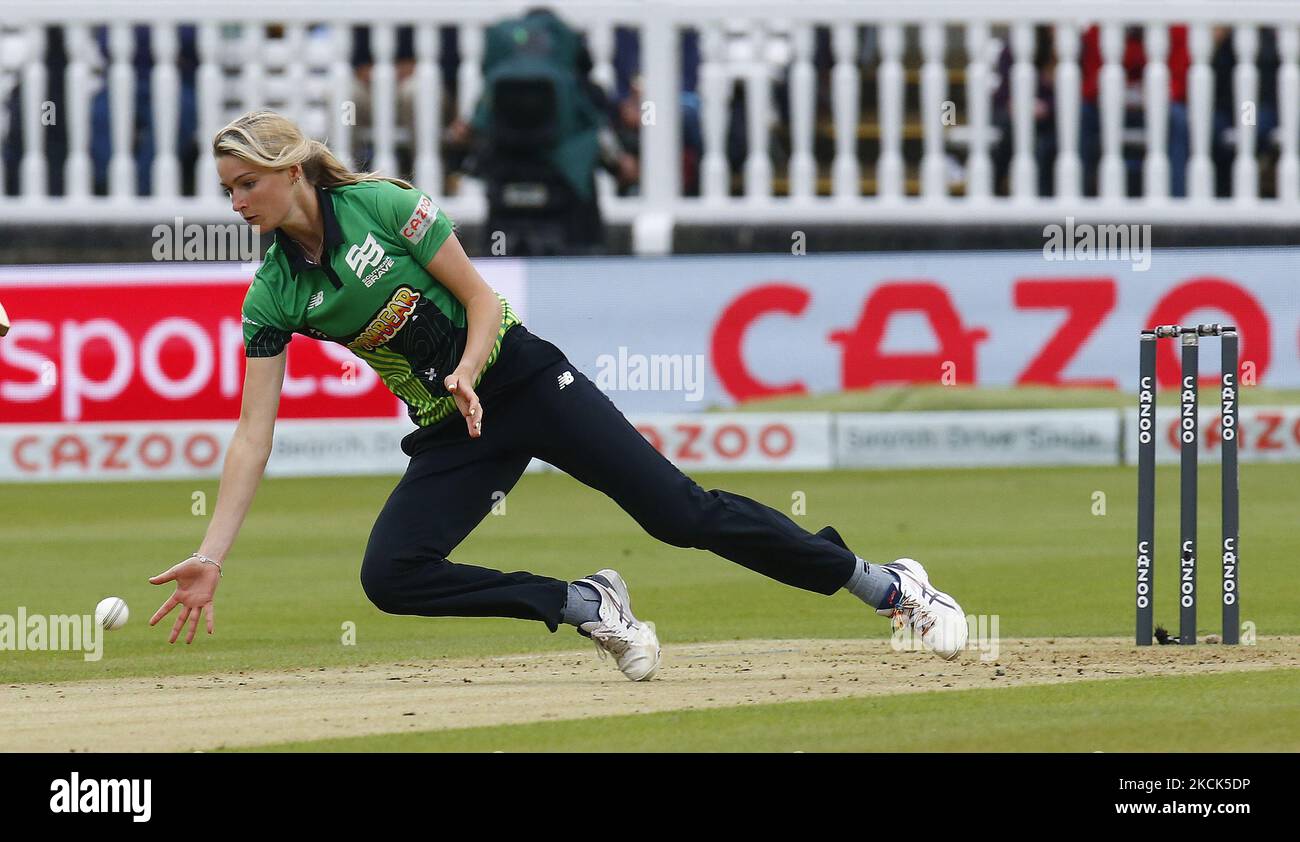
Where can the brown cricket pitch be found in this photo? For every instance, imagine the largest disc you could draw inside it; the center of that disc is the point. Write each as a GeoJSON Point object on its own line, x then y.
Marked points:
{"type": "Point", "coordinates": [258, 708]}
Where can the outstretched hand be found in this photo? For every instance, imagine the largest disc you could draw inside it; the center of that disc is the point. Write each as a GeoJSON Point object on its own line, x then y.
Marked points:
{"type": "Point", "coordinates": [196, 585]}
{"type": "Point", "coordinates": [462, 391]}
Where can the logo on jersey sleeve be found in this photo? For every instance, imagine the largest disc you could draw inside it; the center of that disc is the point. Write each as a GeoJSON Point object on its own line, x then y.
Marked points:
{"type": "Point", "coordinates": [391, 318]}
{"type": "Point", "coordinates": [421, 220]}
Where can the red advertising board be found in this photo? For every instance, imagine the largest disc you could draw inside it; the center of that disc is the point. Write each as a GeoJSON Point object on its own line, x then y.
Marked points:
{"type": "Point", "coordinates": [157, 343]}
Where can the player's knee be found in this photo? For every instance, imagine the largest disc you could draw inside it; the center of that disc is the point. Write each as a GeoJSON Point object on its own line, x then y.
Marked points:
{"type": "Point", "coordinates": [392, 576]}
{"type": "Point", "coordinates": [381, 580]}
{"type": "Point", "coordinates": [377, 582]}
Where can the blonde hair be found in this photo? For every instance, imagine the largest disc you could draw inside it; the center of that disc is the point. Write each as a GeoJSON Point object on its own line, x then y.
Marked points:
{"type": "Point", "coordinates": [273, 141]}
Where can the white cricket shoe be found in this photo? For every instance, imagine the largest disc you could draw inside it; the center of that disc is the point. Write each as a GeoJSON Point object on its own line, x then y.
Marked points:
{"type": "Point", "coordinates": [634, 644]}
{"type": "Point", "coordinates": [932, 614]}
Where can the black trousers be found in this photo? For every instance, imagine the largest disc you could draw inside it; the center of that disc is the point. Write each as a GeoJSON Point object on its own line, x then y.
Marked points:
{"type": "Point", "coordinates": [537, 403]}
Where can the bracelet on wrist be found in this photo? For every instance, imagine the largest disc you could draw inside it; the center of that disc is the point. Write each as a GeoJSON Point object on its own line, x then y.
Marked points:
{"type": "Point", "coordinates": [207, 560]}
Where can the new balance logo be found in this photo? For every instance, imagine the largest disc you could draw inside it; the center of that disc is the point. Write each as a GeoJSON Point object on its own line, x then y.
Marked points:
{"type": "Point", "coordinates": [564, 379]}
{"type": "Point", "coordinates": [316, 299]}
{"type": "Point", "coordinates": [362, 257]}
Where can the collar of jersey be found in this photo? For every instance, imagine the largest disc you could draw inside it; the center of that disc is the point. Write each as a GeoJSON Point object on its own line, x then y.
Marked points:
{"type": "Point", "coordinates": [333, 237]}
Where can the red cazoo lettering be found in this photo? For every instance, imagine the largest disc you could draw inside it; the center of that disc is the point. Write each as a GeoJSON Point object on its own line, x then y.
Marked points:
{"type": "Point", "coordinates": [1087, 302]}
{"type": "Point", "coordinates": [114, 452]}
{"type": "Point", "coordinates": [685, 450]}
{"type": "Point", "coordinates": [116, 443]}
{"type": "Point", "coordinates": [415, 226]}
{"type": "Point", "coordinates": [696, 443]}
{"type": "Point", "coordinates": [1270, 421]}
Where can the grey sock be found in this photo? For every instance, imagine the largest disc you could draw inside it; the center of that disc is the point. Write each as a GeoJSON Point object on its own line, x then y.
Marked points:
{"type": "Point", "coordinates": [582, 605]}
{"type": "Point", "coordinates": [874, 584]}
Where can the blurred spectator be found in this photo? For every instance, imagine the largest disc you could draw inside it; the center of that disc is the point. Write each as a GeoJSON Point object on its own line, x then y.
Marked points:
{"type": "Point", "coordinates": [1179, 60]}
{"type": "Point", "coordinates": [1133, 63]}
{"type": "Point", "coordinates": [404, 119]}
{"type": "Point", "coordinates": [142, 139]}
{"type": "Point", "coordinates": [692, 133]}
{"type": "Point", "coordinates": [54, 137]}
{"type": "Point", "coordinates": [462, 133]}
{"type": "Point", "coordinates": [740, 47]}
{"type": "Point", "coordinates": [101, 135]}
{"type": "Point", "coordinates": [627, 110]}
{"type": "Point", "coordinates": [540, 130]}
{"type": "Point", "coordinates": [1226, 109]}
{"type": "Point", "coordinates": [1044, 60]}
{"type": "Point", "coordinates": [626, 120]}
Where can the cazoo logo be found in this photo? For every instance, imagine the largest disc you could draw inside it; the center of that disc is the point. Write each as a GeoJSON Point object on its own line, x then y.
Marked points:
{"type": "Point", "coordinates": [420, 221]}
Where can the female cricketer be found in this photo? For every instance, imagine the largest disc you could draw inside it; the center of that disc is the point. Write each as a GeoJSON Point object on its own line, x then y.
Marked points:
{"type": "Point", "coordinates": [373, 264]}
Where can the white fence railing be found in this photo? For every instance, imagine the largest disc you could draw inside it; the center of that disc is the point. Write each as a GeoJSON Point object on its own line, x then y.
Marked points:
{"type": "Point", "coordinates": [1129, 152]}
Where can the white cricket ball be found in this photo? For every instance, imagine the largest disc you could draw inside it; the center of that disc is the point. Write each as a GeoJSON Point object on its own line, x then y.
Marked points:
{"type": "Point", "coordinates": [111, 613]}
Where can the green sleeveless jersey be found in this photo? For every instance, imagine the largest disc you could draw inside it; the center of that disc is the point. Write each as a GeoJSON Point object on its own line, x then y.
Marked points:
{"type": "Point", "coordinates": [370, 293]}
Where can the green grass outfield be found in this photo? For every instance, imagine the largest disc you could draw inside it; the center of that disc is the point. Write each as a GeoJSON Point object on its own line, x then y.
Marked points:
{"type": "Point", "coordinates": [1030, 545]}
{"type": "Point", "coordinates": [1171, 713]}
{"type": "Point", "coordinates": [1026, 544]}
